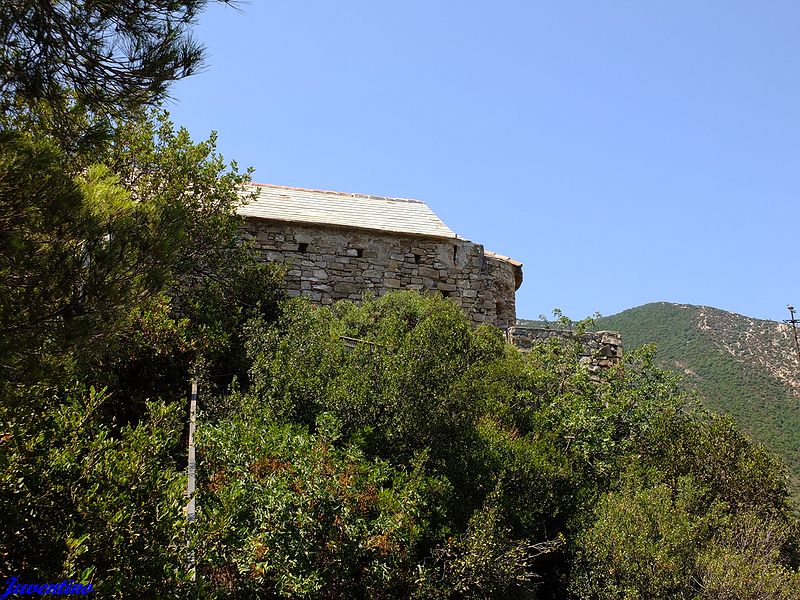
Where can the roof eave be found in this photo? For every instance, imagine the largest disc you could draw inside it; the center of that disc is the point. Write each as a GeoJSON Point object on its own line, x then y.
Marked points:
{"type": "Point", "coordinates": [336, 226]}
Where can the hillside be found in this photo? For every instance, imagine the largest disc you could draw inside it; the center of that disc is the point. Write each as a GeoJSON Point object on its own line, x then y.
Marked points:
{"type": "Point", "coordinates": [742, 366]}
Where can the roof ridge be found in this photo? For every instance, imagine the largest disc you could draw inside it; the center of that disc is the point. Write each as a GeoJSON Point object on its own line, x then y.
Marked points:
{"type": "Point", "coordinates": [333, 192]}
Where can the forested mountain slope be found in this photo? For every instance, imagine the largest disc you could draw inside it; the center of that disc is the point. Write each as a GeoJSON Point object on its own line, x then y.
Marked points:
{"type": "Point", "coordinates": [741, 366]}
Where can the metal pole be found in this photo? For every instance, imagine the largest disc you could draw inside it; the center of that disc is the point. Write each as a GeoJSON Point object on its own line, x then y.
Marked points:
{"type": "Point", "coordinates": [192, 469]}
{"type": "Point", "coordinates": [794, 322]}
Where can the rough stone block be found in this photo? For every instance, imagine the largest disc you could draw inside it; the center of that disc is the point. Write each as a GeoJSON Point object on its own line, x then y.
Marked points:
{"type": "Point", "coordinates": [428, 272]}
{"type": "Point", "coordinates": [344, 287]}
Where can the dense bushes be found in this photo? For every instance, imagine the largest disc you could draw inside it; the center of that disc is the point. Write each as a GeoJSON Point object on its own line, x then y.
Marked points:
{"type": "Point", "coordinates": [390, 449]}
{"type": "Point", "coordinates": [81, 500]}
{"type": "Point", "coordinates": [659, 542]}
{"type": "Point", "coordinates": [481, 472]}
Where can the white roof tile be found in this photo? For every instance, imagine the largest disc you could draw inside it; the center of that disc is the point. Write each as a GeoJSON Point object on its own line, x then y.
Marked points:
{"type": "Point", "coordinates": [341, 209]}
{"type": "Point", "coordinates": [507, 259]}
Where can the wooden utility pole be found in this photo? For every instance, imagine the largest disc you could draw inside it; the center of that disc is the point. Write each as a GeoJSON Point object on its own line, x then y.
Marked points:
{"type": "Point", "coordinates": [192, 469]}
{"type": "Point", "coordinates": [793, 323]}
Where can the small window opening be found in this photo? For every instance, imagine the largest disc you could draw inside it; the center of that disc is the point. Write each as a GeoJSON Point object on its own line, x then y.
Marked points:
{"type": "Point", "coordinates": [417, 258]}
{"type": "Point", "coordinates": [455, 253]}
{"type": "Point", "coordinates": [360, 252]}
{"type": "Point", "coordinates": [302, 248]}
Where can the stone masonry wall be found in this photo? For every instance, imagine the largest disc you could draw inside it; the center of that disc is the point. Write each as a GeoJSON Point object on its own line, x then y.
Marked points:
{"type": "Point", "coordinates": [327, 264]}
{"type": "Point", "coordinates": [601, 349]}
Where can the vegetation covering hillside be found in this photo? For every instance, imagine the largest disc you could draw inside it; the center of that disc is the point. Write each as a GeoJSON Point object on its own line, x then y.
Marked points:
{"type": "Point", "coordinates": [741, 366]}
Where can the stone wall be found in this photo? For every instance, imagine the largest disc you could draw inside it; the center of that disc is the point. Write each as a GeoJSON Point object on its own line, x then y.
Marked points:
{"type": "Point", "coordinates": [327, 264]}
{"type": "Point", "coordinates": [601, 349]}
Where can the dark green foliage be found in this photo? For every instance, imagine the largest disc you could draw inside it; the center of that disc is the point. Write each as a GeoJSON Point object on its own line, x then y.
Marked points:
{"type": "Point", "coordinates": [405, 387]}
{"type": "Point", "coordinates": [668, 542]}
{"type": "Point", "coordinates": [644, 544]}
{"type": "Point", "coordinates": [60, 61]}
{"type": "Point", "coordinates": [747, 560]}
{"type": "Point", "coordinates": [291, 514]}
{"type": "Point", "coordinates": [84, 500]}
{"type": "Point", "coordinates": [695, 498]}
{"type": "Point", "coordinates": [127, 275]}
{"type": "Point", "coordinates": [533, 477]}
{"type": "Point", "coordinates": [425, 459]}
{"type": "Point", "coordinates": [45, 227]}
{"type": "Point", "coordinates": [414, 395]}
{"type": "Point", "coordinates": [710, 448]}
{"type": "Point", "coordinates": [120, 269]}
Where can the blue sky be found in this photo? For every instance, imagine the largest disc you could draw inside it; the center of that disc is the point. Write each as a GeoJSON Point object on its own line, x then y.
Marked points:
{"type": "Point", "coordinates": [625, 152]}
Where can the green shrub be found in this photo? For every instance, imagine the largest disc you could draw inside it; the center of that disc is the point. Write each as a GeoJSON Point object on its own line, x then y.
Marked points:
{"type": "Point", "coordinates": [81, 499]}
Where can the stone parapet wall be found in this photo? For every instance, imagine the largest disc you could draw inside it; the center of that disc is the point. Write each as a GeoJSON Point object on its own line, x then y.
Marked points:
{"type": "Point", "coordinates": [601, 349]}
{"type": "Point", "coordinates": [326, 264]}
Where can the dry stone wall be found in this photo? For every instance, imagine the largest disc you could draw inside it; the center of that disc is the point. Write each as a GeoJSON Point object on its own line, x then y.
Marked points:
{"type": "Point", "coordinates": [326, 264]}
{"type": "Point", "coordinates": [600, 349]}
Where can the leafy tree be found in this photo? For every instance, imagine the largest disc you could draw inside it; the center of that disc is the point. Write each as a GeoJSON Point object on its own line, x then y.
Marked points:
{"type": "Point", "coordinates": [409, 396]}
{"type": "Point", "coordinates": [406, 389]}
{"type": "Point", "coordinates": [296, 514]}
{"type": "Point", "coordinates": [123, 275]}
{"type": "Point", "coordinates": [748, 559]}
{"type": "Point", "coordinates": [108, 56]}
{"type": "Point", "coordinates": [644, 544]}
{"type": "Point", "coordinates": [693, 498]}
{"type": "Point", "coordinates": [85, 254]}
{"type": "Point", "coordinates": [120, 269]}
{"type": "Point", "coordinates": [761, 404]}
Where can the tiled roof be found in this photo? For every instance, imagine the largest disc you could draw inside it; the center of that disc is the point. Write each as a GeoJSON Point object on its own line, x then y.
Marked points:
{"type": "Point", "coordinates": [507, 259]}
{"type": "Point", "coordinates": [341, 209]}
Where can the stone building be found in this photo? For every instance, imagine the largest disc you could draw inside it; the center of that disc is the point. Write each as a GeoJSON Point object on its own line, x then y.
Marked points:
{"type": "Point", "coordinates": [337, 245]}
